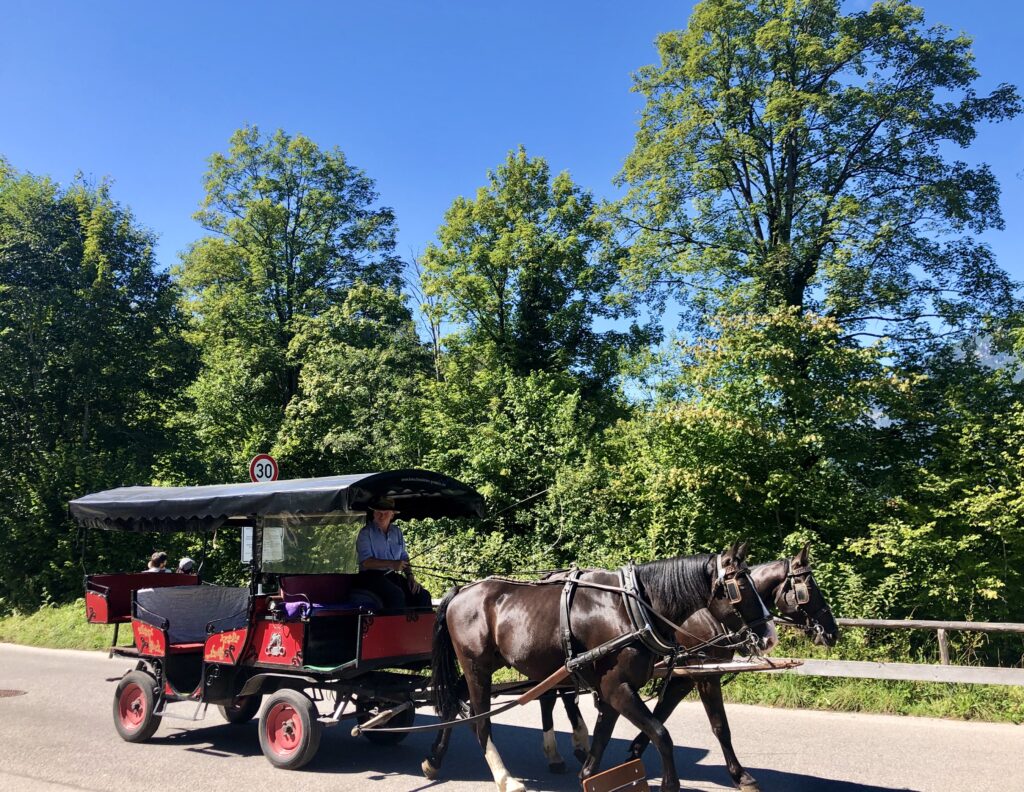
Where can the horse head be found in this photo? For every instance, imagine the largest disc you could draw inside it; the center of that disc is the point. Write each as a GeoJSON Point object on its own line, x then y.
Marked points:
{"type": "Point", "coordinates": [800, 601]}
{"type": "Point", "coordinates": [736, 603]}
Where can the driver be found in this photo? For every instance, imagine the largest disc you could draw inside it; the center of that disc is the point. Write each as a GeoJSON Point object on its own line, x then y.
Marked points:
{"type": "Point", "coordinates": [380, 548]}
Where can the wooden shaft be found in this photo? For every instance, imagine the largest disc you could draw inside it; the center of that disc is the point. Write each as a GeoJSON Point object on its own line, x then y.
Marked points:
{"type": "Point", "coordinates": [538, 690]}
{"type": "Point", "coordinates": [380, 718]}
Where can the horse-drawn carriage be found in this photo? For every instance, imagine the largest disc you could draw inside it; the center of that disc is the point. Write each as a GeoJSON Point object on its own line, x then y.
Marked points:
{"type": "Point", "coordinates": [305, 648]}
{"type": "Point", "coordinates": [301, 634]}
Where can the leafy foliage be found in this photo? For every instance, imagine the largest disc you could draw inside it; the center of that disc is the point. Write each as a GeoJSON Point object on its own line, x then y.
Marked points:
{"type": "Point", "coordinates": [91, 362]}
{"type": "Point", "coordinates": [791, 155]}
{"type": "Point", "coordinates": [526, 268]}
{"type": "Point", "coordinates": [296, 228]}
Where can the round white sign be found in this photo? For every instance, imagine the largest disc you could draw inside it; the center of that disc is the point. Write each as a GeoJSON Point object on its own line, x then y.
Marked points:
{"type": "Point", "coordinates": [263, 467]}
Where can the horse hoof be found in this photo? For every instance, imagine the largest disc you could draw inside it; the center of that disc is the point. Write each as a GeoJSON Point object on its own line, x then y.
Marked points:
{"type": "Point", "coordinates": [514, 785]}
{"type": "Point", "coordinates": [557, 767]}
{"type": "Point", "coordinates": [429, 770]}
{"type": "Point", "coordinates": [750, 787]}
{"type": "Point", "coordinates": [581, 755]}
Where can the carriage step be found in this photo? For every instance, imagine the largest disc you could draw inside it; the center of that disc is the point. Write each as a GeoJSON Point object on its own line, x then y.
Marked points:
{"type": "Point", "coordinates": [629, 776]}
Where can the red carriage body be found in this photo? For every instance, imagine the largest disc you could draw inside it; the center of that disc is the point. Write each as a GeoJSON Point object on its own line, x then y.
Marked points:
{"type": "Point", "coordinates": [295, 628]}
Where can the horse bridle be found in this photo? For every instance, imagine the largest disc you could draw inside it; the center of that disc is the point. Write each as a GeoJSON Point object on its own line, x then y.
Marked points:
{"type": "Point", "coordinates": [796, 580]}
{"type": "Point", "coordinates": [726, 581]}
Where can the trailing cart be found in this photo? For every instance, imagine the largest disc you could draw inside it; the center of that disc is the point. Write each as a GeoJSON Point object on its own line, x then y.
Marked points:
{"type": "Point", "coordinates": [301, 644]}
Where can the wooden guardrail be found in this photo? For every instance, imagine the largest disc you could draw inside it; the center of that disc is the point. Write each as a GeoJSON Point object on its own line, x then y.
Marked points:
{"type": "Point", "coordinates": [920, 672]}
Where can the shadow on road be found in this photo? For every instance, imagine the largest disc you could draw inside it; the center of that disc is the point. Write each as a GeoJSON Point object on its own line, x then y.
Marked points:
{"type": "Point", "coordinates": [340, 753]}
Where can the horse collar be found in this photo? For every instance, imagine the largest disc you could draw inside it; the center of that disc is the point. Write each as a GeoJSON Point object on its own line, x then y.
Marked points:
{"type": "Point", "coordinates": [638, 611]}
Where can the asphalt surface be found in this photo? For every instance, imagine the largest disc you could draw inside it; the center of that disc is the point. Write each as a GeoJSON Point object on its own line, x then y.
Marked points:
{"type": "Point", "coordinates": [59, 735]}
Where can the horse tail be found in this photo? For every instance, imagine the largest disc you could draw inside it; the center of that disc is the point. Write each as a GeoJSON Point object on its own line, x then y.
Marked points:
{"type": "Point", "coordinates": [444, 676]}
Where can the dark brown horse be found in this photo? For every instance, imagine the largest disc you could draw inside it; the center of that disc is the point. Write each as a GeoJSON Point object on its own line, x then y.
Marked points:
{"type": "Point", "coordinates": [789, 587]}
{"type": "Point", "coordinates": [497, 623]}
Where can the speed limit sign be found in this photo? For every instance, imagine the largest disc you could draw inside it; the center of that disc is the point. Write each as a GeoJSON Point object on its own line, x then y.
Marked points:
{"type": "Point", "coordinates": [263, 467]}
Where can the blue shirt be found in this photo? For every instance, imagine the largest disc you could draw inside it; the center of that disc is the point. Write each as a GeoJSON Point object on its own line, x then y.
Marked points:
{"type": "Point", "coordinates": [372, 542]}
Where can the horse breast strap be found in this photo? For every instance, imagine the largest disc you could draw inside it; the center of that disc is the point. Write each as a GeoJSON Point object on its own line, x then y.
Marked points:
{"type": "Point", "coordinates": [565, 625]}
{"type": "Point", "coordinates": [639, 616]}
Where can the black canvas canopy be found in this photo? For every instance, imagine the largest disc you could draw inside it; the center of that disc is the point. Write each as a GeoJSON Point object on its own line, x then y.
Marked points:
{"type": "Point", "coordinates": [417, 493]}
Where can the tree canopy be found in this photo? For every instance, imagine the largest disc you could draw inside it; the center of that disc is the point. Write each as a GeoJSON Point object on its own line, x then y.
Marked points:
{"type": "Point", "coordinates": [793, 155]}
{"type": "Point", "coordinates": [527, 268]}
{"type": "Point", "coordinates": [92, 361]}
{"type": "Point", "coordinates": [296, 228]}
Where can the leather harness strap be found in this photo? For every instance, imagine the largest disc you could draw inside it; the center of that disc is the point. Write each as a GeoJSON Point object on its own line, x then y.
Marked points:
{"type": "Point", "coordinates": [639, 615]}
{"type": "Point", "coordinates": [565, 624]}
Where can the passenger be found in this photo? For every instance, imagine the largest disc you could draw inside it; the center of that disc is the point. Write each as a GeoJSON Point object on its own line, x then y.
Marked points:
{"type": "Point", "coordinates": [186, 566]}
{"type": "Point", "coordinates": [157, 562]}
{"type": "Point", "coordinates": [380, 548]}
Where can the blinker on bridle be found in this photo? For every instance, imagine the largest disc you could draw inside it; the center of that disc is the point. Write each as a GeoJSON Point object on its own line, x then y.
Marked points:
{"type": "Point", "coordinates": [797, 580]}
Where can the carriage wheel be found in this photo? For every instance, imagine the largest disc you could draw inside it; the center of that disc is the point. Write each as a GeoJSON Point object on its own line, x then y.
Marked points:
{"type": "Point", "coordinates": [367, 709]}
{"type": "Point", "coordinates": [135, 705]}
{"type": "Point", "coordinates": [241, 710]}
{"type": "Point", "coordinates": [289, 729]}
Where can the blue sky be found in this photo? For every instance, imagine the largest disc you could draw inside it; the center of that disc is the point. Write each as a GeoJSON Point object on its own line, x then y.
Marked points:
{"type": "Point", "coordinates": [424, 96]}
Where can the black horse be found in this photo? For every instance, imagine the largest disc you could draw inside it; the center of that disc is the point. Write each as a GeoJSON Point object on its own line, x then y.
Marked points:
{"type": "Point", "coordinates": [789, 586]}
{"type": "Point", "coordinates": [496, 623]}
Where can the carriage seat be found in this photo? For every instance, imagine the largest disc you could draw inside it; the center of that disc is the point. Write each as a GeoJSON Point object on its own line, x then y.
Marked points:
{"type": "Point", "coordinates": [185, 612]}
{"type": "Point", "coordinates": [108, 598]}
{"type": "Point", "coordinates": [325, 595]}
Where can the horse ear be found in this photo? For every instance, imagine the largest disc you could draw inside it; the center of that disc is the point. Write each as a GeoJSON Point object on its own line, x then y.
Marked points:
{"type": "Point", "coordinates": [803, 557]}
{"type": "Point", "coordinates": [741, 553]}
{"type": "Point", "coordinates": [730, 554]}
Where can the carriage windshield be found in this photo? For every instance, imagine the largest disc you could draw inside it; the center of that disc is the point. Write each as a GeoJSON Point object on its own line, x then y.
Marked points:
{"type": "Point", "coordinates": [304, 544]}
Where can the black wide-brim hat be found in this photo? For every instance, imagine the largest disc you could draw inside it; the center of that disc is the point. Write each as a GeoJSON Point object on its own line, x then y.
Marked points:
{"type": "Point", "coordinates": [385, 504]}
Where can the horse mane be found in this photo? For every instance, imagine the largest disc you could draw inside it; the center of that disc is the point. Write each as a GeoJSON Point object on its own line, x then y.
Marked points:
{"type": "Point", "coordinates": [677, 587]}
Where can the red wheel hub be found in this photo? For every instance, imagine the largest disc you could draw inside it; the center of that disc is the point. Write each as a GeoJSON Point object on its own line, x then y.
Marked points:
{"type": "Point", "coordinates": [131, 707]}
{"type": "Point", "coordinates": [284, 729]}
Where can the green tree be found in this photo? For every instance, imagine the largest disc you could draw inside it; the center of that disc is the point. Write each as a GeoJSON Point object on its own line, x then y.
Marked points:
{"type": "Point", "coordinates": [950, 539]}
{"type": "Point", "coordinates": [514, 438]}
{"type": "Point", "coordinates": [793, 155]}
{"type": "Point", "coordinates": [295, 228]}
{"type": "Point", "coordinates": [526, 268]}
{"type": "Point", "coordinates": [791, 174]}
{"type": "Point", "coordinates": [92, 361]}
{"type": "Point", "coordinates": [359, 393]}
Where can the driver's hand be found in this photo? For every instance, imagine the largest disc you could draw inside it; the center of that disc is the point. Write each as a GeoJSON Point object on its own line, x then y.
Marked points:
{"type": "Point", "coordinates": [398, 566]}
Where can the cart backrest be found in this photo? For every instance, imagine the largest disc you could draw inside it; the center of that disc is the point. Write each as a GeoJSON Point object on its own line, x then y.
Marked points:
{"type": "Point", "coordinates": [328, 589]}
{"type": "Point", "coordinates": [189, 609]}
{"type": "Point", "coordinates": [304, 595]}
{"type": "Point", "coordinates": [115, 591]}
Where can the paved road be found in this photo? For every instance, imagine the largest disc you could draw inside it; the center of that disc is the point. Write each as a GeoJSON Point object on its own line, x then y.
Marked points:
{"type": "Point", "coordinates": [60, 736]}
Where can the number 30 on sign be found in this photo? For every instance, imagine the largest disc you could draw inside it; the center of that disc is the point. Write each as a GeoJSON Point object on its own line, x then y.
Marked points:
{"type": "Point", "coordinates": [263, 467]}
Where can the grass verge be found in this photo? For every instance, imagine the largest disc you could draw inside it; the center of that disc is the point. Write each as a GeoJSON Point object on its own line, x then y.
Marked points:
{"type": "Point", "coordinates": [59, 627]}
{"type": "Point", "coordinates": [64, 627]}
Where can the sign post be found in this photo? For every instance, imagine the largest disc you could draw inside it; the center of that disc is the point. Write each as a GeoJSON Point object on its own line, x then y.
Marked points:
{"type": "Point", "coordinates": [263, 467]}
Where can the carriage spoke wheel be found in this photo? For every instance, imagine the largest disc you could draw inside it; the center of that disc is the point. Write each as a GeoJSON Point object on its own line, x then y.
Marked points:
{"type": "Point", "coordinates": [135, 705]}
{"type": "Point", "coordinates": [289, 730]}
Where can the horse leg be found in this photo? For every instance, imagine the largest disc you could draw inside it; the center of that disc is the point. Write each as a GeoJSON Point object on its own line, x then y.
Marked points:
{"type": "Point", "coordinates": [580, 735]}
{"type": "Point", "coordinates": [556, 764]}
{"type": "Point", "coordinates": [606, 717]}
{"type": "Point", "coordinates": [672, 692]}
{"type": "Point", "coordinates": [710, 691]}
{"type": "Point", "coordinates": [479, 683]}
{"type": "Point", "coordinates": [625, 699]}
{"type": "Point", "coordinates": [431, 766]}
